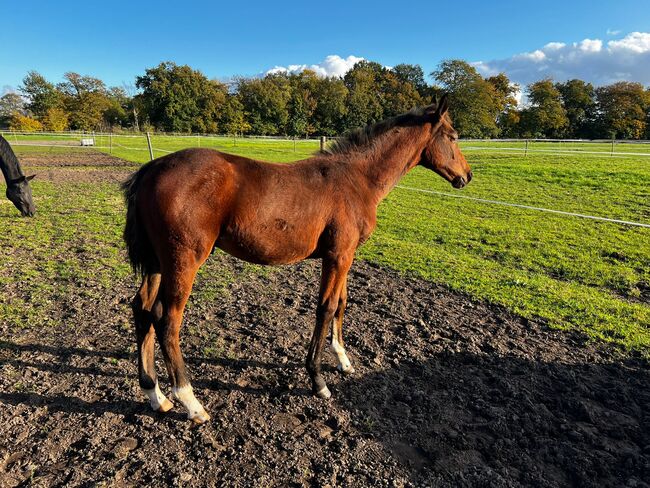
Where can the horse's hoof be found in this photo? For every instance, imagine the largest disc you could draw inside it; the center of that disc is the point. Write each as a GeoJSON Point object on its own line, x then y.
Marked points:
{"type": "Point", "coordinates": [349, 370]}
{"type": "Point", "coordinates": [166, 406]}
{"type": "Point", "coordinates": [199, 417]}
{"type": "Point", "coordinates": [324, 393]}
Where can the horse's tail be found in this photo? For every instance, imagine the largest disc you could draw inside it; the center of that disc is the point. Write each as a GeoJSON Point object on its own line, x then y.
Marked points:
{"type": "Point", "coordinates": [141, 253]}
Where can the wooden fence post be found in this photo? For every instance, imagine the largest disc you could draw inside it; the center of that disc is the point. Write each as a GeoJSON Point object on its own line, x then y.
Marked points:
{"type": "Point", "coordinates": [149, 144]}
{"type": "Point", "coordinates": [323, 140]}
{"type": "Point", "coordinates": [526, 151]}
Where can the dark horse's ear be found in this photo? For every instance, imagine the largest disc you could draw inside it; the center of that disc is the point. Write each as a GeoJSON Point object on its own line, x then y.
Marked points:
{"type": "Point", "coordinates": [29, 178]}
{"type": "Point", "coordinates": [443, 105]}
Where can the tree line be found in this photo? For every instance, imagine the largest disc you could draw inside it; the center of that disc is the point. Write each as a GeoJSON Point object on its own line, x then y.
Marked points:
{"type": "Point", "coordinates": [175, 98]}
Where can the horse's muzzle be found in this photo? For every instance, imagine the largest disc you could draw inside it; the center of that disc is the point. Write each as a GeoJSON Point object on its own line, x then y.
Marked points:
{"type": "Point", "coordinates": [460, 182]}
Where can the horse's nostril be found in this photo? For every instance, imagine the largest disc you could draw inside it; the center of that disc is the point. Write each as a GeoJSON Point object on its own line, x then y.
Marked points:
{"type": "Point", "coordinates": [469, 176]}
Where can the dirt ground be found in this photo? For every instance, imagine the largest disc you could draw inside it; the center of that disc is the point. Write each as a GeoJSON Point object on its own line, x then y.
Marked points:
{"type": "Point", "coordinates": [447, 392]}
{"type": "Point", "coordinates": [81, 166]}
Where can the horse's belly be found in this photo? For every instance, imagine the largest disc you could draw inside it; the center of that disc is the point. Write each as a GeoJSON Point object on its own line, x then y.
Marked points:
{"type": "Point", "coordinates": [281, 244]}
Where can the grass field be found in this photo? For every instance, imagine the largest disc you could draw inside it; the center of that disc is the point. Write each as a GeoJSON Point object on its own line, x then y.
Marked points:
{"type": "Point", "coordinates": [569, 272]}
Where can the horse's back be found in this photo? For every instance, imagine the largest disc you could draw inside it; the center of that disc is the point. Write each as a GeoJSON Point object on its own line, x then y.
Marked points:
{"type": "Point", "coordinates": [262, 212]}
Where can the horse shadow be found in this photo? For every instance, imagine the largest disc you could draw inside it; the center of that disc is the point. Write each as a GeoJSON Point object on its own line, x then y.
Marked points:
{"type": "Point", "coordinates": [457, 418]}
{"type": "Point", "coordinates": [465, 419]}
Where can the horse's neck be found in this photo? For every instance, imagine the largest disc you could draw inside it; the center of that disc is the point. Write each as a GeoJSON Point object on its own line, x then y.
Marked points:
{"type": "Point", "coordinates": [396, 155]}
{"type": "Point", "coordinates": [8, 162]}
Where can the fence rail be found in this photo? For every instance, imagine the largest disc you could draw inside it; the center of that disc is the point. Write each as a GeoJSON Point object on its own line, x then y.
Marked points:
{"type": "Point", "coordinates": [129, 142]}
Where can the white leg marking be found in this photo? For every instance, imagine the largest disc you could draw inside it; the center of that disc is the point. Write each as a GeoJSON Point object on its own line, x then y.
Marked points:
{"type": "Point", "coordinates": [324, 393]}
{"type": "Point", "coordinates": [156, 398]}
{"type": "Point", "coordinates": [344, 363]}
{"type": "Point", "coordinates": [195, 410]}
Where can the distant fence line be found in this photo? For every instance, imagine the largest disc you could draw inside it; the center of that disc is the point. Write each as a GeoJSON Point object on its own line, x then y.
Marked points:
{"type": "Point", "coordinates": [11, 133]}
{"type": "Point", "coordinates": [312, 138]}
{"type": "Point", "coordinates": [112, 138]}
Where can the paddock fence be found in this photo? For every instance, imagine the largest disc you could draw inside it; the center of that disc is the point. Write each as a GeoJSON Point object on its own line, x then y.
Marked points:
{"type": "Point", "coordinates": [163, 143]}
{"type": "Point", "coordinates": [147, 146]}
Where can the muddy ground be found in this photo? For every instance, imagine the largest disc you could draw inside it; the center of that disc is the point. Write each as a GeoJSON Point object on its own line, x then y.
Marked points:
{"type": "Point", "coordinates": [447, 392]}
{"type": "Point", "coordinates": [80, 166]}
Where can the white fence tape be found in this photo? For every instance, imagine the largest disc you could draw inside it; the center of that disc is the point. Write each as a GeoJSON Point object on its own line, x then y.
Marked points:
{"type": "Point", "coordinates": [527, 207]}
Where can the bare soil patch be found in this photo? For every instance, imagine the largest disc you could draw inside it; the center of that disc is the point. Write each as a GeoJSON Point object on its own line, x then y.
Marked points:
{"type": "Point", "coordinates": [448, 392]}
{"type": "Point", "coordinates": [85, 157]}
{"type": "Point", "coordinates": [85, 166]}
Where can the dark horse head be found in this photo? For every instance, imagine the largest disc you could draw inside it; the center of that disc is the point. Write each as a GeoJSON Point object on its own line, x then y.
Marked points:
{"type": "Point", "coordinates": [442, 153]}
{"type": "Point", "coordinates": [18, 190]}
{"type": "Point", "coordinates": [20, 193]}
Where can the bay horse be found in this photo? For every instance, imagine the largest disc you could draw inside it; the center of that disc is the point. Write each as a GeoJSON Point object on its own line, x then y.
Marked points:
{"type": "Point", "coordinates": [18, 189]}
{"type": "Point", "coordinates": [183, 205]}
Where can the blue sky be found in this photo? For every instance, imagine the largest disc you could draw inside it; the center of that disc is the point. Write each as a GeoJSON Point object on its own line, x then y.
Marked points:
{"type": "Point", "coordinates": [117, 40]}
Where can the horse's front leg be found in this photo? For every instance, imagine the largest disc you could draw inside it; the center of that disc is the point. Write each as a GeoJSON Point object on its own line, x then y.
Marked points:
{"type": "Point", "coordinates": [337, 333]}
{"type": "Point", "coordinates": [334, 276]}
{"type": "Point", "coordinates": [176, 286]}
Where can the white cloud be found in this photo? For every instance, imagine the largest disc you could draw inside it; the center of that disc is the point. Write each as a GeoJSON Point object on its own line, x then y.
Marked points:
{"type": "Point", "coordinates": [612, 32]}
{"type": "Point", "coordinates": [637, 42]}
{"type": "Point", "coordinates": [553, 46]}
{"type": "Point", "coordinates": [332, 65]}
{"type": "Point", "coordinates": [590, 45]}
{"type": "Point", "coordinates": [599, 62]}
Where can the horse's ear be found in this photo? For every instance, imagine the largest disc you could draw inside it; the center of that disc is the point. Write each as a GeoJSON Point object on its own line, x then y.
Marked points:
{"type": "Point", "coordinates": [443, 105]}
{"type": "Point", "coordinates": [29, 178]}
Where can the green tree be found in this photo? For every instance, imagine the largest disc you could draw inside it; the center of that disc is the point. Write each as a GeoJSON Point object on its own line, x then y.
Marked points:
{"type": "Point", "coordinates": [545, 117]}
{"type": "Point", "coordinates": [117, 112]}
{"type": "Point", "coordinates": [505, 104]}
{"type": "Point", "coordinates": [413, 75]}
{"type": "Point", "coordinates": [397, 96]}
{"type": "Point", "coordinates": [622, 110]}
{"type": "Point", "coordinates": [41, 94]}
{"type": "Point", "coordinates": [233, 119]}
{"type": "Point", "coordinates": [265, 102]}
{"type": "Point", "coordinates": [331, 109]}
{"type": "Point", "coordinates": [85, 99]}
{"type": "Point", "coordinates": [578, 99]}
{"type": "Point", "coordinates": [302, 103]}
{"type": "Point", "coordinates": [180, 99]}
{"type": "Point", "coordinates": [474, 102]}
{"type": "Point", "coordinates": [10, 103]}
{"type": "Point", "coordinates": [364, 95]}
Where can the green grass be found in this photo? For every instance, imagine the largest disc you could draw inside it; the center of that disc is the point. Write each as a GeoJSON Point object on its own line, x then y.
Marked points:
{"type": "Point", "coordinates": [73, 243]}
{"type": "Point", "coordinates": [572, 273]}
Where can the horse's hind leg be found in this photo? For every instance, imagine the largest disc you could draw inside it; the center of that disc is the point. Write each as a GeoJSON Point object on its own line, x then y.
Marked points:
{"type": "Point", "coordinates": [337, 334]}
{"type": "Point", "coordinates": [176, 287]}
{"type": "Point", "coordinates": [146, 311]}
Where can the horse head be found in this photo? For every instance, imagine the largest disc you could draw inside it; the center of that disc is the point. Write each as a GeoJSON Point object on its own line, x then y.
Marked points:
{"type": "Point", "coordinates": [442, 154]}
{"type": "Point", "coordinates": [20, 193]}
